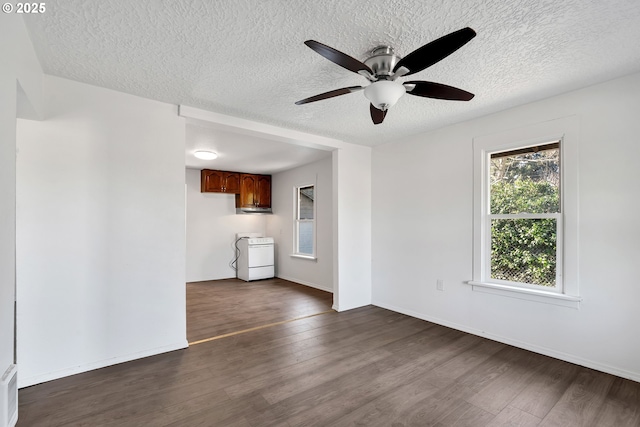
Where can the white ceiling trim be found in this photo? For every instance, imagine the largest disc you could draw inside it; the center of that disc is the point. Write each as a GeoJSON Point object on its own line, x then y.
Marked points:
{"type": "Point", "coordinates": [260, 130]}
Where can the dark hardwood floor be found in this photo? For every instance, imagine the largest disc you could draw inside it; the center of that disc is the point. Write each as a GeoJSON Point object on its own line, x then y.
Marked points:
{"type": "Point", "coordinates": [221, 307]}
{"type": "Point", "coordinates": [367, 367]}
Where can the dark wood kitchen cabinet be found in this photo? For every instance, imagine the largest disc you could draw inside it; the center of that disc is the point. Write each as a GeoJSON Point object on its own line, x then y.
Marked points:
{"type": "Point", "coordinates": [213, 181]}
{"type": "Point", "coordinates": [255, 191]}
{"type": "Point", "coordinates": [251, 190]}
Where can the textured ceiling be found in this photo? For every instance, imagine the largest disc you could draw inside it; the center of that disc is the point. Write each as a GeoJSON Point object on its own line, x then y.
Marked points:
{"type": "Point", "coordinates": [246, 58]}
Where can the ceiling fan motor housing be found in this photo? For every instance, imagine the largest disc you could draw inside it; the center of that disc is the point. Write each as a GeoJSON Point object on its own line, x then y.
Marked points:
{"type": "Point", "coordinates": [382, 61]}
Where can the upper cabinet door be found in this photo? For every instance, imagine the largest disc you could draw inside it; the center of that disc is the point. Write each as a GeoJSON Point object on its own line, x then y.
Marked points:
{"type": "Point", "coordinates": [263, 191]}
{"type": "Point", "coordinates": [211, 181]}
{"type": "Point", "coordinates": [232, 182]}
{"type": "Point", "coordinates": [219, 181]}
{"type": "Point", "coordinates": [248, 184]}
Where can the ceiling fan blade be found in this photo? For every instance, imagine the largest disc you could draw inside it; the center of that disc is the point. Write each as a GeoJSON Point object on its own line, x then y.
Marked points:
{"type": "Point", "coordinates": [337, 57]}
{"type": "Point", "coordinates": [330, 94]}
{"type": "Point", "coordinates": [435, 51]}
{"type": "Point", "coordinates": [438, 91]}
{"type": "Point", "coordinates": [377, 115]}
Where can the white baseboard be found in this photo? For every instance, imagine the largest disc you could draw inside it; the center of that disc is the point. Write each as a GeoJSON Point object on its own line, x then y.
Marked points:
{"type": "Point", "coordinates": [572, 358]}
{"type": "Point", "coordinates": [341, 308]}
{"type": "Point", "coordinates": [37, 379]}
{"type": "Point", "coordinates": [303, 282]}
{"type": "Point", "coordinates": [211, 280]}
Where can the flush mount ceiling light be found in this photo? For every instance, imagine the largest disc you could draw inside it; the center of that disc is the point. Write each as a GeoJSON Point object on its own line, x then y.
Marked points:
{"type": "Point", "coordinates": [383, 67]}
{"type": "Point", "coordinates": [205, 155]}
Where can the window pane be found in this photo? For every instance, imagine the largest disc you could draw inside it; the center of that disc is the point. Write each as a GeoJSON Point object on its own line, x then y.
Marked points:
{"type": "Point", "coordinates": [305, 237]}
{"type": "Point", "coordinates": [525, 181]}
{"type": "Point", "coordinates": [524, 250]}
{"type": "Point", "coordinates": [305, 202]}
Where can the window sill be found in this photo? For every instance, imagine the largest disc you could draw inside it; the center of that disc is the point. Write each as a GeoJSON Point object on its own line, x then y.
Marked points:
{"type": "Point", "coordinates": [301, 256]}
{"type": "Point", "coordinates": [562, 300]}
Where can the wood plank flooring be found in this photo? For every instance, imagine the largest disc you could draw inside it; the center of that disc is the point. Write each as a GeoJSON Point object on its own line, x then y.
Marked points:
{"type": "Point", "coordinates": [220, 307]}
{"type": "Point", "coordinates": [365, 367]}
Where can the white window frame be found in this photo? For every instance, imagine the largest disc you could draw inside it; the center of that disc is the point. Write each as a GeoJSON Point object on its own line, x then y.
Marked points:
{"type": "Point", "coordinates": [296, 222]}
{"type": "Point", "coordinates": [565, 293]}
{"type": "Point", "coordinates": [486, 209]}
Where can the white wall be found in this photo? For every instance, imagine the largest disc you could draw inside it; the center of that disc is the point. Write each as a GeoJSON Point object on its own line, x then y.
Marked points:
{"type": "Point", "coordinates": [212, 224]}
{"type": "Point", "coordinates": [19, 67]}
{"type": "Point", "coordinates": [316, 273]}
{"type": "Point", "coordinates": [422, 231]}
{"type": "Point", "coordinates": [353, 228]}
{"type": "Point", "coordinates": [100, 231]}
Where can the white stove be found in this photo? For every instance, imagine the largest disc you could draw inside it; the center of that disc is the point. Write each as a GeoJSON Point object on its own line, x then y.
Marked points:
{"type": "Point", "coordinates": [256, 260]}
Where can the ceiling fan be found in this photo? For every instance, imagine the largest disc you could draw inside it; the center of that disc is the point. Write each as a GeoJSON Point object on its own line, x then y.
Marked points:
{"type": "Point", "coordinates": [383, 67]}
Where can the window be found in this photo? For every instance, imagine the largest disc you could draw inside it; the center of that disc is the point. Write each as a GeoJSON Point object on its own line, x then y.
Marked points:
{"type": "Point", "coordinates": [305, 213]}
{"type": "Point", "coordinates": [525, 213]}
{"type": "Point", "coordinates": [524, 220]}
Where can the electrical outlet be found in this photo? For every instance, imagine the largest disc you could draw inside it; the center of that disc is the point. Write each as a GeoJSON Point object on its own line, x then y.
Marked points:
{"type": "Point", "coordinates": [440, 285]}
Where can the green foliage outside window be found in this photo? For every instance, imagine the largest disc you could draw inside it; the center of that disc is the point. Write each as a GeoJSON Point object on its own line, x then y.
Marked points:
{"type": "Point", "coordinates": [524, 249]}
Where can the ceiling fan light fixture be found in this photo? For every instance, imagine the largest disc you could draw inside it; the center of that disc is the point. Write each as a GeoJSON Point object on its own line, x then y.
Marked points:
{"type": "Point", "coordinates": [384, 67]}
{"type": "Point", "coordinates": [205, 155]}
{"type": "Point", "coordinates": [383, 94]}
